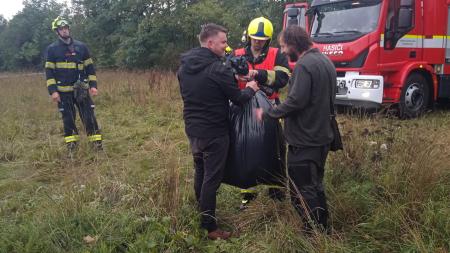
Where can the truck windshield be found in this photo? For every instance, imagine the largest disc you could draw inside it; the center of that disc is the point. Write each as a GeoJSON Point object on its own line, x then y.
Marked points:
{"type": "Point", "coordinates": [346, 19]}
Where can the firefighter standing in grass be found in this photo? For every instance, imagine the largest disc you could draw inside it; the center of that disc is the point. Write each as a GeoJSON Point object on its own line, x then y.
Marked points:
{"type": "Point", "coordinates": [71, 79]}
{"type": "Point", "coordinates": [270, 69]}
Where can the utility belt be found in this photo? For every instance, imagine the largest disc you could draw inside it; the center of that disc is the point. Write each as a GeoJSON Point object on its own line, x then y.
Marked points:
{"type": "Point", "coordinates": [65, 88]}
{"type": "Point", "coordinates": [68, 87]}
{"type": "Point", "coordinates": [80, 90]}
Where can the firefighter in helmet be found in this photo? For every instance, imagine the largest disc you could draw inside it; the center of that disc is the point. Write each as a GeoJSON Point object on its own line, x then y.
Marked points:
{"type": "Point", "coordinates": [270, 68]}
{"type": "Point", "coordinates": [71, 81]}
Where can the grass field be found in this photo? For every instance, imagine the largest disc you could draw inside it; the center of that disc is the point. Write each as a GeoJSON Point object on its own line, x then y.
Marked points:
{"type": "Point", "coordinates": [388, 192]}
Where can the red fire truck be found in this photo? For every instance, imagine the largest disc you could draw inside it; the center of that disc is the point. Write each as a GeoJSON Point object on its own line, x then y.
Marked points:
{"type": "Point", "coordinates": [385, 51]}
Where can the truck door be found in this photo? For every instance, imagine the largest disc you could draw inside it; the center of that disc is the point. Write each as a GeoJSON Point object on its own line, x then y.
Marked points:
{"type": "Point", "coordinates": [402, 41]}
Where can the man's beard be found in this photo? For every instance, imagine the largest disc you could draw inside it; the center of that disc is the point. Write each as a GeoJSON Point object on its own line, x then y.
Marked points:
{"type": "Point", "coordinates": [257, 48]}
{"type": "Point", "coordinates": [65, 37]}
{"type": "Point", "coordinates": [293, 56]}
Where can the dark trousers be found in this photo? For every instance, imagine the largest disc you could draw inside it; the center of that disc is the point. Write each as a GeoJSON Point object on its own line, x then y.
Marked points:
{"type": "Point", "coordinates": [306, 172]}
{"type": "Point", "coordinates": [210, 156]}
{"type": "Point", "coordinates": [87, 116]}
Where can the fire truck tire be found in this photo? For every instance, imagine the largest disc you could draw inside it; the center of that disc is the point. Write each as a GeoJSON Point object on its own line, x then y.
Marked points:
{"type": "Point", "coordinates": [415, 96]}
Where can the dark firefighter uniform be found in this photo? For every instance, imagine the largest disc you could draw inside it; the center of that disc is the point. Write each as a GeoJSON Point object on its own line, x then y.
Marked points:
{"type": "Point", "coordinates": [65, 64]}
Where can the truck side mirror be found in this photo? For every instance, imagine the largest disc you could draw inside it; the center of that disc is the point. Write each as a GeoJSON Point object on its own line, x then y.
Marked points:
{"type": "Point", "coordinates": [405, 15]}
{"type": "Point", "coordinates": [404, 19]}
{"type": "Point", "coordinates": [292, 12]}
{"type": "Point", "coordinates": [292, 16]}
{"type": "Point", "coordinates": [406, 3]}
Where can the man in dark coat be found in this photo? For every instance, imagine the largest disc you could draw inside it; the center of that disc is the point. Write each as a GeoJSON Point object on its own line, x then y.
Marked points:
{"type": "Point", "coordinates": [308, 132]}
{"type": "Point", "coordinates": [207, 85]}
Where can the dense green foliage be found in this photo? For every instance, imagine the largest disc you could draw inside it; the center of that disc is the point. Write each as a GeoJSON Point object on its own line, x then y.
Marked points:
{"type": "Point", "coordinates": [134, 34]}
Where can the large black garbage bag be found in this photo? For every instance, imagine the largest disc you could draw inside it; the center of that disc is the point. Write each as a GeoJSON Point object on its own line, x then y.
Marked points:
{"type": "Point", "coordinates": [254, 155]}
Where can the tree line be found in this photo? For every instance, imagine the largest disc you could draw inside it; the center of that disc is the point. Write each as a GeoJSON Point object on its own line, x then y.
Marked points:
{"type": "Point", "coordinates": [132, 34]}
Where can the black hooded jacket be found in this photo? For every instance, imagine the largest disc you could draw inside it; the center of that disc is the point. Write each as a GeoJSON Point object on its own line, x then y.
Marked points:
{"type": "Point", "coordinates": [206, 86]}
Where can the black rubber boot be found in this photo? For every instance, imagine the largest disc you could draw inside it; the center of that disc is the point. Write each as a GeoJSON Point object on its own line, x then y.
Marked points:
{"type": "Point", "coordinates": [247, 197]}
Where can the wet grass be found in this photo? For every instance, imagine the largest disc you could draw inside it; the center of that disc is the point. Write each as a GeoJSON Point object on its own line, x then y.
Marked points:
{"type": "Point", "coordinates": [389, 191]}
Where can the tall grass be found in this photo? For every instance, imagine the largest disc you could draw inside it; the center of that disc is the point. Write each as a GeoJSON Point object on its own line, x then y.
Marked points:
{"type": "Point", "coordinates": [389, 191]}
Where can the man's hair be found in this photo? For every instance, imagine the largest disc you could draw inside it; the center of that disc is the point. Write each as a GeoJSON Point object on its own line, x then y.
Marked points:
{"type": "Point", "coordinates": [297, 37]}
{"type": "Point", "coordinates": [210, 30]}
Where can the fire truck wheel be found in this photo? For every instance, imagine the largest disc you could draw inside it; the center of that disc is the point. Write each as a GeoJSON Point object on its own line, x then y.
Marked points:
{"type": "Point", "coordinates": [415, 96]}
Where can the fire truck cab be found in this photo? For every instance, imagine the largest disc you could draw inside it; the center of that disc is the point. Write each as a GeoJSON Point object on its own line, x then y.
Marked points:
{"type": "Point", "coordinates": [295, 14]}
{"type": "Point", "coordinates": [385, 51]}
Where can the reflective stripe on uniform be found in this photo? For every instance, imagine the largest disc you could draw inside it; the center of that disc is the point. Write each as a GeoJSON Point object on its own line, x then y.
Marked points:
{"type": "Point", "coordinates": [272, 186]}
{"type": "Point", "coordinates": [69, 65]}
{"type": "Point", "coordinates": [251, 190]}
{"type": "Point", "coordinates": [49, 65]}
{"type": "Point", "coordinates": [270, 77]}
{"type": "Point", "coordinates": [72, 138]}
{"type": "Point", "coordinates": [92, 78]}
{"type": "Point", "coordinates": [66, 65]}
{"type": "Point", "coordinates": [65, 88]}
{"type": "Point", "coordinates": [284, 69]}
{"type": "Point", "coordinates": [88, 62]}
{"type": "Point", "coordinates": [95, 137]}
{"type": "Point", "coordinates": [51, 81]}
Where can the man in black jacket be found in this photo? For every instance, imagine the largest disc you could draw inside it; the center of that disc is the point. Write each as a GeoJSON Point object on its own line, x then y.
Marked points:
{"type": "Point", "coordinates": [308, 132]}
{"type": "Point", "coordinates": [206, 86]}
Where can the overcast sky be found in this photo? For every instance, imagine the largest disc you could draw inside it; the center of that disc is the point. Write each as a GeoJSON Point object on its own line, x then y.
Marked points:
{"type": "Point", "coordinates": [10, 7]}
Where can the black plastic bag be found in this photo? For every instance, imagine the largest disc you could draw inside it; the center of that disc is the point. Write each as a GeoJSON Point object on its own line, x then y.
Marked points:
{"type": "Point", "coordinates": [254, 155]}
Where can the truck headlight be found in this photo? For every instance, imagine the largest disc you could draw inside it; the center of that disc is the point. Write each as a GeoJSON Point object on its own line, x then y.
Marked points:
{"type": "Point", "coordinates": [367, 84]}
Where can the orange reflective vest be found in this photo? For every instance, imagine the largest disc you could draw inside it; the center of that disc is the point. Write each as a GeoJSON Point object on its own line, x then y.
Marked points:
{"type": "Point", "coordinates": [267, 64]}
